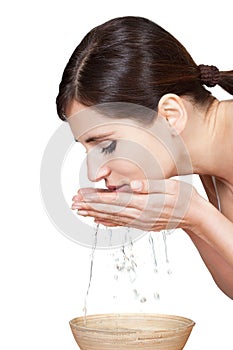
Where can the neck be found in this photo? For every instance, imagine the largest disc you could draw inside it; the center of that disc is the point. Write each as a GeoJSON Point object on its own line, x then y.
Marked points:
{"type": "Point", "coordinates": [209, 139]}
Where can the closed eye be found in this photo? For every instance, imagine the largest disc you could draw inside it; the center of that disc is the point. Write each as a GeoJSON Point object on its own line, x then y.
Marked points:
{"type": "Point", "coordinates": [109, 149]}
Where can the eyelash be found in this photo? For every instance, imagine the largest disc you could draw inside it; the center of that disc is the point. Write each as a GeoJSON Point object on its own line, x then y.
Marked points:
{"type": "Point", "coordinates": [109, 149]}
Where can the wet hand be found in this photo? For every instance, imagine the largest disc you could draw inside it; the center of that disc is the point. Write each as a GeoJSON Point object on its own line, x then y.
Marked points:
{"type": "Point", "coordinates": [151, 206]}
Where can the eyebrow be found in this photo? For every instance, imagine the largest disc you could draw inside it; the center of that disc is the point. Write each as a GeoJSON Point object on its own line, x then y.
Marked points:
{"type": "Point", "coordinates": [95, 138]}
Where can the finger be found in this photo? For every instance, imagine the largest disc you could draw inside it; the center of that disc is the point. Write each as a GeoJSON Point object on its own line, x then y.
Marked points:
{"type": "Point", "coordinates": [121, 199]}
{"type": "Point", "coordinates": [105, 223]}
{"type": "Point", "coordinates": [100, 211]}
{"type": "Point", "coordinates": [115, 220]}
{"type": "Point", "coordinates": [152, 206]}
{"type": "Point", "coordinates": [83, 191]}
{"type": "Point", "coordinates": [86, 190]}
{"type": "Point", "coordinates": [110, 221]}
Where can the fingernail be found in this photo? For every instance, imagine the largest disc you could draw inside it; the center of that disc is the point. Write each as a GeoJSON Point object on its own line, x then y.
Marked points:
{"type": "Point", "coordinates": [76, 205]}
{"type": "Point", "coordinates": [77, 198]}
{"type": "Point", "coordinates": [136, 185]}
{"type": "Point", "coordinates": [82, 212]}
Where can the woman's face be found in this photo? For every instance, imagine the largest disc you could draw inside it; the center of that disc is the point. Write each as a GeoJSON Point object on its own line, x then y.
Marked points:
{"type": "Point", "coordinates": [121, 150]}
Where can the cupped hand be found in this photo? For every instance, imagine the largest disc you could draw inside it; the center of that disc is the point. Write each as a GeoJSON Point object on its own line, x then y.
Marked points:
{"type": "Point", "coordinates": [150, 206]}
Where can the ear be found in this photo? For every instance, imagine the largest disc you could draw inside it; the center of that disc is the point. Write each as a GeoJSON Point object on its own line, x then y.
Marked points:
{"type": "Point", "coordinates": [172, 108]}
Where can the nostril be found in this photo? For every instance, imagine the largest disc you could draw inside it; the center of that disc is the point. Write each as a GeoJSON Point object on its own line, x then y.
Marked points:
{"type": "Point", "coordinates": [99, 174]}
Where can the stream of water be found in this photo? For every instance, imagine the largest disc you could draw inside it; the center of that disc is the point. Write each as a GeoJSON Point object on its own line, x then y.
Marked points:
{"type": "Point", "coordinates": [91, 273]}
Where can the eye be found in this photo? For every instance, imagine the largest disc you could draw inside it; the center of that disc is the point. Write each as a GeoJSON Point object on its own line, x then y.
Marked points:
{"type": "Point", "coordinates": [110, 148]}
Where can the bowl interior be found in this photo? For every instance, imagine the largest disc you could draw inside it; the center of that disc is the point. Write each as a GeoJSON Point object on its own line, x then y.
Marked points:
{"type": "Point", "coordinates": [131, 322]}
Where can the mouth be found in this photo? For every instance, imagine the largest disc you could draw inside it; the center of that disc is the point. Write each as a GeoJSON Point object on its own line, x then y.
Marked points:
{"type": "Point", "coordinates": [122, 188]}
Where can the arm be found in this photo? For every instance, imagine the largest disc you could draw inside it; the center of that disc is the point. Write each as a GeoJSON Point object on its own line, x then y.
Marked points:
{"type": "Point", "coordinates": [220, 270]}
{"type": "Point", "coordinates": [212, 234]}
{"type": "Point", "coordinates": [168, 201]}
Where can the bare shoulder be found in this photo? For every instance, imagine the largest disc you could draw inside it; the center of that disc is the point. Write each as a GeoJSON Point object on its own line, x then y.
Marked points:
{"type": "Point", "coordinates": [230, 108]}
{"type": "Point", "coordinates": [227, 107]}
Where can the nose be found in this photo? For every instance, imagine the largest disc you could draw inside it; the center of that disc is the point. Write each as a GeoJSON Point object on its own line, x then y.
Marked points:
{"type": "Point", "coordinates": [97, 170]}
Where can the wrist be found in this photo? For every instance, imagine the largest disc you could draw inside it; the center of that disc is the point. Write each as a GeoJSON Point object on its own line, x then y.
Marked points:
{"type": "Point", "coordinates": [197, 212]}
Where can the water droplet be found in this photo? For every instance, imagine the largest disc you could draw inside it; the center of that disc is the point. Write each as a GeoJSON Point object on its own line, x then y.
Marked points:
{"type": "Point", "coordinates": [143, 300]}
{"type": "Point", "coordinates": [132, 276]}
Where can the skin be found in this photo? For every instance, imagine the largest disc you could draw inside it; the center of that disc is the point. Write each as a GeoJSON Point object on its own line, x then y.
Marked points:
{"type": "Point", "coordinates": [183, 139]}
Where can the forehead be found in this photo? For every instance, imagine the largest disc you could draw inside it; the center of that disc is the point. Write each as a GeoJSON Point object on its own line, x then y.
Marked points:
{"type": "Point", "coordinates": [74, 107]}
{"type": "Point", "coordinates": [91, 123]}
{"type": "Point", "coordinates": [87, 120]}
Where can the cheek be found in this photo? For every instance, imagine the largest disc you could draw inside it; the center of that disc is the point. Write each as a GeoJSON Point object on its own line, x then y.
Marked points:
{"type": "Point", "coordinates": [133, 160]}
{"type": "Point", "coordinates": [136, 160]}
{"type": "Point", "coordinates": [127, 169]}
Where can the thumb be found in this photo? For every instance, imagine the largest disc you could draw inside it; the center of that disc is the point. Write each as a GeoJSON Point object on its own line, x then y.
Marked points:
{"type": "Point", "coordinates": [148, 186]}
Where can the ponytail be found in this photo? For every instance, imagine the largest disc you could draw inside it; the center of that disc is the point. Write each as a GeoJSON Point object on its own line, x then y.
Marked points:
{"type": "Point", "coordinates": [226, 81]}
{"type": "Point", "coordinates": [211, 76]}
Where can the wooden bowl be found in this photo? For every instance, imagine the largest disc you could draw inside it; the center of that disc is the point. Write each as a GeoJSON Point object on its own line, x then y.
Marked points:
{"type": "Point", "coordinates": [131, 331]}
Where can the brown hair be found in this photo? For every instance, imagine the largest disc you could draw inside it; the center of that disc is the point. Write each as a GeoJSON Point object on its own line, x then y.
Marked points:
{"type": "Point", "coordinates": [133, 60]}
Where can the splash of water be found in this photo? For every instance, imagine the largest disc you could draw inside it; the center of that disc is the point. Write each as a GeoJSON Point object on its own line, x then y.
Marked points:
{"type": "Point", "coordinates": [125, 263]}
{"type": "Point", "coordinates": [128, 264]}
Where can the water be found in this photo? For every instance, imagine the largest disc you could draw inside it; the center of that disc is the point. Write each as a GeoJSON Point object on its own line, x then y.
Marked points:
{"type": "Point", "coordinates": [152, 244]}
{"type": "Point", "coordinates": [163, 257]}
{"type": "Point", "coordinates": [109, 231]}
{"type": "Point", "coordinates": [125, 264]}
{"type": "Point", "coordinates": [165, 233]}
{"type": "Point", "coordinates": [91, 273]}
{"type": "Point", "coordinates": [151, 241]}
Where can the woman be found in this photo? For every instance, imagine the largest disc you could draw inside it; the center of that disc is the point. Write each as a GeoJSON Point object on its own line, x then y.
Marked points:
{"type": "Point", "coordinates": [132, 60]}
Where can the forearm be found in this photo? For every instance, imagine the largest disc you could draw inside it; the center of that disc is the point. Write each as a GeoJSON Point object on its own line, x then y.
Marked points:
{"type": "Point", "coordinates": [212, 227]}
{"type": "Point", "coordinates": [212, 234]}
{"type": "Point", "coordinates": [220, 270]}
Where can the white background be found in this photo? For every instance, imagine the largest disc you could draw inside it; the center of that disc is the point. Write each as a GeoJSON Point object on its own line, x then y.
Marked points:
{"type": "Point", "coordinates": [43, 274]}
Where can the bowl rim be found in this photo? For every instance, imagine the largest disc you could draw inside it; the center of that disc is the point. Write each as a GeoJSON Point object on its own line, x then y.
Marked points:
{"type": "Point", "coordinates": [188, 323]}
